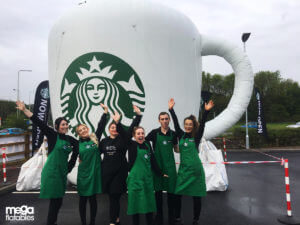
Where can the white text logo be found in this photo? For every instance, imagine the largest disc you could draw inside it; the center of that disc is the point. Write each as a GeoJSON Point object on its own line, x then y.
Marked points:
{"type": "Point", "coordinates": [23, 213]}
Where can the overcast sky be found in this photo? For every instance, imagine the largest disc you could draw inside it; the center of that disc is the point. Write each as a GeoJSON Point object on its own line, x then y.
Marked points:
{"type": "Point", "coordinates": [273, 45]}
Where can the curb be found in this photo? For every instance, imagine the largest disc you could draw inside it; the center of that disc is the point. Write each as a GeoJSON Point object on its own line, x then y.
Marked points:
{"type": "Point", "coordinates": [7, 189]}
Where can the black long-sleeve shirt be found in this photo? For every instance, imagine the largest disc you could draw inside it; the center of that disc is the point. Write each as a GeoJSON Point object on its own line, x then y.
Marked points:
{"type": "Point", "coordinates": [199, 133]}
{"type": "Point", "coordinates": [101, 126]}
{"type": "Point", "coordinates": [114, 149]}
{"type": "Point", "coordinates": [51, 135]}
{"type": "Point", "coordinates": [132, 148]}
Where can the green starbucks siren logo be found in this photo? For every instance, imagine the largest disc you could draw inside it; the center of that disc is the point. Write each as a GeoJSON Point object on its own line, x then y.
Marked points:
{"type": "Point", "coordinates": [95, 78]}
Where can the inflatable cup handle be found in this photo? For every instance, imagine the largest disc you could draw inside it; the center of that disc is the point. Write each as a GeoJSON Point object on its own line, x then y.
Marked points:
{"type": "Point", "coordinates": [243, 84]}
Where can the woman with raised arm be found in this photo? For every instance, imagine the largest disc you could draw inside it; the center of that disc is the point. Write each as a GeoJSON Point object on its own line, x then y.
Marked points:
{"type": "Point", "coordinates": [141, 197]}
{"type": "Point", "coordinates": [114, 166]}
{"type": "Point", "coordinates": [56, 168]}
{"type": "Point", "coordinates": [89, 169]}
{"type": "Point", "coordinates": [191, 177]}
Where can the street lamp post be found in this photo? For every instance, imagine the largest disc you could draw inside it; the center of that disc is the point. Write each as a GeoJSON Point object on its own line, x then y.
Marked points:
{"type": "Point", "coordinates": [18, 89]}
{"type": "Point", "coordinates": [30, 92]}
{"type": "Point", "coordinates": [245, 37]}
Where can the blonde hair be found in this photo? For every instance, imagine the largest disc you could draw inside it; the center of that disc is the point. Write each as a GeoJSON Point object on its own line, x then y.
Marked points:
{"type": "Point", "coordinates": [92, 136]}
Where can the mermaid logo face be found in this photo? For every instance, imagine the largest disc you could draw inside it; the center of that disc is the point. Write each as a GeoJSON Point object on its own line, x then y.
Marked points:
{"type": "Point", "coordinates": [95, 78]}
{"type": "Point", "coordinates": [95, 90]}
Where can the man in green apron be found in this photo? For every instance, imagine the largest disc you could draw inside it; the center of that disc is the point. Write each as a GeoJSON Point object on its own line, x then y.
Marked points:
{"type": "Point", "coordinates": [164, 142]}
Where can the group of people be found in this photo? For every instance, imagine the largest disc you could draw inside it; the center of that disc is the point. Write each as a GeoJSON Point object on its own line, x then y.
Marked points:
{"type": "Point", "coordinates": [151, 165]}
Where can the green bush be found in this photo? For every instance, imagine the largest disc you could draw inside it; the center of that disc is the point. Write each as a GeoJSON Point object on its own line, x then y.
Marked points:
{"type": "Point", "coordinates": [13, 121]}
{"type": "Point", "coordinates": [277, 136]}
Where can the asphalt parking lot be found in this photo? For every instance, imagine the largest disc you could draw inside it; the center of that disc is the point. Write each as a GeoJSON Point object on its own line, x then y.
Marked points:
{"type": "Point", "coordinates": [256, 196]}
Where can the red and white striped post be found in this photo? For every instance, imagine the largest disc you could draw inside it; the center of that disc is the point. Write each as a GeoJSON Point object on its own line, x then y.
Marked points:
{"type": "Point", "coordinates": [4, 163]}
{"type": "Point", "coordinates": [224, 149]}
{"type": "Point", "coordinates": [288, 219]}
{"type": "Point", "coordinates": [287, 187]}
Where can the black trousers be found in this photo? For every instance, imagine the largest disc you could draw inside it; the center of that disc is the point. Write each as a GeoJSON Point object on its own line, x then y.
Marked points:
{"type": "Point", "coordinates": [197, 207]}
{"type": "Point", "coordinates": [174, 205]}
{"type": "Point", "coordinates": [114, 207]}
{"type": "Point", "coordinates": [54, 206]}
{"type": "Point", "coordinates": [136, 219]}
{"type": "Point", "coordinates": [93, 208]}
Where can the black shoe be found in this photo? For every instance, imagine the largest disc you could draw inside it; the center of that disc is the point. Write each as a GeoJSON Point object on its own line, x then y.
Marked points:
{"type": "Point", "coordinates": [178, 221]}
{"type": "Point", "coordinates": [118, 223]}
{"type": "Point", "coordinates": [158, 220]}
{"type": "Point", "coordinates": [195, 222]}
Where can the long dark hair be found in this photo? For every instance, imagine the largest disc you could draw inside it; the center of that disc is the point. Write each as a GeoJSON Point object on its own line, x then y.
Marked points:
{"type": "Point", "coordinates": [195, 123]}
{"type": "Point", "coordinates": [58, 122]}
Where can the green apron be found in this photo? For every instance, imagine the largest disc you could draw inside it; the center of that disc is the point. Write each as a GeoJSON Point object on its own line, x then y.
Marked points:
{"type": "Point", "coordinates": [141, 198]}
{"type": "Point", "coordinates": [55, 170]}
{"type": "Point", "coordinates": [89, 169]}
{"type": "Point", "coordinates": [165, 159]}
{"type": "Point", "coordinates": [191, 177]}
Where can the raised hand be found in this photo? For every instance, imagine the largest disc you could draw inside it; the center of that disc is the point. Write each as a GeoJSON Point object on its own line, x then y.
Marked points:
{"type": "Point", "coordinates": [208, 106]}
{"type": "Point", "coordinates": [20, 105]}
{"type": "Point", "coordinates": [116, 117]}
{"type": "Point", "coordinates": [136, 110]}
{"type": "Point", "coordinates": [105, 108]}
{"type": "Point", "coordinates": [171, 103]}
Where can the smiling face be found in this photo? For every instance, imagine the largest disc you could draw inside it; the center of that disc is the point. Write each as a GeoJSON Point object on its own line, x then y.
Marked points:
{"type": "Point", "coordinates": [139, 135]}
{"type": "Point", "coordinates": [164, 121]}
{"type": "Point", "coordinates": [63, 127]}
{"type": "Point", "coordinates": [188, 126]}
{"type": "Point", "coordinates": [95, 90]}
{"type": "Point", "coordinates": [83, 131]}
{"type": "Point", "coordinates": [113, 130]}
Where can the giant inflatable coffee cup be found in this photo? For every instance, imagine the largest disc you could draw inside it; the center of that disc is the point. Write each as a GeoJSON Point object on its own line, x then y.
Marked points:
{"type": "Point", "coordinates": [124, 52]}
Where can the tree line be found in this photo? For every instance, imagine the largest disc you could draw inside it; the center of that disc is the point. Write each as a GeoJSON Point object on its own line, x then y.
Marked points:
{"type": "Point", "coordinates": [281, 97]}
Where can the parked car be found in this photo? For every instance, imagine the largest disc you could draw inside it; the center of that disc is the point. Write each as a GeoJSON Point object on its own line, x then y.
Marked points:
{"type": "Point", "coordinates": [297, 125]}
{"type": "Point", "coordinates": [251, 125]}
{"type": "Point", "coordinates": [9, 131]}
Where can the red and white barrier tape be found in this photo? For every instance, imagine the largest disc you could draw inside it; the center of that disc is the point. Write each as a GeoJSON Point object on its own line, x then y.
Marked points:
{"type": "Point", "coordinates": [4, 163]}
{"type": "Point", "coordinates": [263, 153]}
{"type": "Point", "coordinates": [244, 162]}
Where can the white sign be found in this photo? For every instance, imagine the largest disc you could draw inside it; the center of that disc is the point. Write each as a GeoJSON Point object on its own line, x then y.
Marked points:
{"type": "Point", "coordinates": [22, 213]}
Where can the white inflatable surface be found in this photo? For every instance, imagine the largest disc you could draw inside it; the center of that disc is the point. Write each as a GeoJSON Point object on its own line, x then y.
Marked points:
{"type": "Point", "coordinates": [124, 52]}
{"type": "Point", "coordinates": [215, 174]}
{"type": "Point", "coordinates": [30, 173]}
